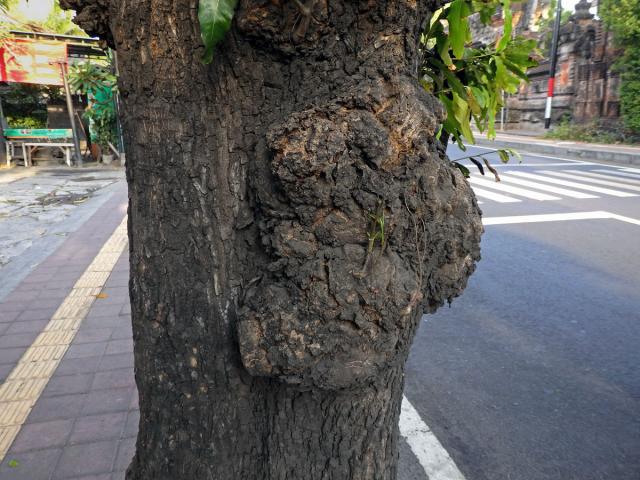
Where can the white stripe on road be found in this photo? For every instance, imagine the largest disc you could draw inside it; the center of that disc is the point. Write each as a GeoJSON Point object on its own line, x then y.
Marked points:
{"type": "Point", "coordinates": [547, 188]}
{"type": "Point", "coordinates": [622, 174]}
{"type": "Point", "coordinates": [607, 183]}
{"type": "Point", "coordinates": [531, 154]}
{"type": "Point", "coordinates": [630, 169]}
{"type": "Point", "coordinates": [557, 217]}
{"type": "Point", "coordinates": [511, 164]}
{"type": "Point", "coordinates": [435, 460]}
{"type": "Point", "coordinates": [620, 180]}
{"type": "Point", "coordinates": [581, 186]}
{"type": "Point", "coordinates": [496, 197]}
{"type": "Point", "coordinates": [509, 189]}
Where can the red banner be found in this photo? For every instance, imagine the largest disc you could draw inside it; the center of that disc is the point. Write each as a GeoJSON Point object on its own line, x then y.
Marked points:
{"type": "Point", "coordinates": [25, 60]}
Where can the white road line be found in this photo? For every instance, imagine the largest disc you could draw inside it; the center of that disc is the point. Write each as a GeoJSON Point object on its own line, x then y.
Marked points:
{"type": "Point", "coordinates": [630, 169]}
{"type": "Point", "coordinates": [606, 177]}
{"type": "Point", "coordinates": [622, 174]}
{"type": "Point", "coordinates": [496, 197]}
{"type": "Point", "coordinates": [581, 186]}
{"type": "Point", "coordinates": [524, 164]}
{"type": "Point", "coordinates": [531, 154]}
{"type": "Point", "coordinates": [547, 188]}
{"type": "Point", "coordinates": [523, 192]}
{"type": "Point", "coordinates": [558, 217]}
{"type": "Point", "coordinates": [608, 183]}
{"type": "Point", "coordinates": [435, 460]}
{"type": "Point", "coordinates": [622, 218]}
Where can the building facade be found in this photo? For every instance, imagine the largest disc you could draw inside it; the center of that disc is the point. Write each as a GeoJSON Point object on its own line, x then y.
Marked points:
{"type": "Point", "coordinates": [586, 84]}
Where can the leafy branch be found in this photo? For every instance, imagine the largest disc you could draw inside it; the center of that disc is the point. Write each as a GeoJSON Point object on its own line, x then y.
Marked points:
{"type": "Point", "coordinates": [469, 79]}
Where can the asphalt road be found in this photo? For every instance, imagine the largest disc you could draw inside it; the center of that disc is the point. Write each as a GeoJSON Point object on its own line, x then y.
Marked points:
{"type": "Point", "coordinates": [534, 373]}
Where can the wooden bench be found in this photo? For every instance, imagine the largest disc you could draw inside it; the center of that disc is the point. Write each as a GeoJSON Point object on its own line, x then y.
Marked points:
{"type": "Point", "coordinates": [29, 140]}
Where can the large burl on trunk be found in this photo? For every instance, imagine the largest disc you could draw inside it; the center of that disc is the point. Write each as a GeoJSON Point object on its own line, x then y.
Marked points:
{"type": "Point", "coordinates": [291, 218]}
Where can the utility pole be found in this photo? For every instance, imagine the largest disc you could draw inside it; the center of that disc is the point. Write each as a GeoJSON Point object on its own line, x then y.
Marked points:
{"type": "Point", "coordinates": [554, 63]}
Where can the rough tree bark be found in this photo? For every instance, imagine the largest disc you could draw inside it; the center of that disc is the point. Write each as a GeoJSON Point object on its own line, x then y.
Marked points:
{"type": "Point", "coordinates": [291, 217]}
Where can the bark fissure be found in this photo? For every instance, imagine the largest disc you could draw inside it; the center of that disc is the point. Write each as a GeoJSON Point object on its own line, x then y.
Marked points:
{"type": "Point", "coordinates": [263, 348]}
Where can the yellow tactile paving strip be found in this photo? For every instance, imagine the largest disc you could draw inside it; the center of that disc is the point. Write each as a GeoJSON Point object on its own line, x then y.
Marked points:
{"type": "Point", "coordinates": [24, 385]}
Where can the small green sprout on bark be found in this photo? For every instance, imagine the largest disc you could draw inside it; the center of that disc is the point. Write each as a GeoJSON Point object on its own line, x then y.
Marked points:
{"type": "Point", "coordinates": [376, 233]}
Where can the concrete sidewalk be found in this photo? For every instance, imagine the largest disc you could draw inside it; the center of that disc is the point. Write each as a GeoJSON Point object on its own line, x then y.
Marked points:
{"type": "Point", "coordinates": [525, 142]}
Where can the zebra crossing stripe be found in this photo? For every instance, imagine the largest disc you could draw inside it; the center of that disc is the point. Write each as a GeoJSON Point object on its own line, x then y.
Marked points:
{"type": "Point", "coordinates": [606, 177]}
{"type": "Point", "coordinates": [629, 169]}
{"type": "Point", "coordinates": [496, 197]}
{"type": "Point", "coordinates": [581, 186]}
{"type": "Point", "coordinates": [509, 189]}
{"type": "Point", "coordinates": [635, 176]}
{"type": "Point", "coordinates": [607, 183]}
{"type": "Point", "coordinates": [547, 188]}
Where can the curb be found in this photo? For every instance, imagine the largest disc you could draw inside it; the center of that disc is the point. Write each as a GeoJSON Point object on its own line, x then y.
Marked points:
{"type": "Point", "coordinates": [577, 152]}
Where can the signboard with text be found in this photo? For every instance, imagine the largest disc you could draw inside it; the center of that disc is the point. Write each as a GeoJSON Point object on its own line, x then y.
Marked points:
{"type": "Point", "coordinates": [24, 60]}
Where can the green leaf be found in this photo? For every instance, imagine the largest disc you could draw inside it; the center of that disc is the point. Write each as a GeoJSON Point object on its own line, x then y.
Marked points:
{"type": "Point", "coordinates": [465, 171]}
{"type": "Point", "coordinates": [215, 19]}
{"type": "Point", "coordinates": [13, 463]}
{"type": "Point", "coordinates": [458, 27]}
{"type": "Point", "coordinates": [508, 26]}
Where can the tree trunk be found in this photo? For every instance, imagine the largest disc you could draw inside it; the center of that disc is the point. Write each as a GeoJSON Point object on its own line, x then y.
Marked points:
{"type": "Point", "coordinates": [291, 217]}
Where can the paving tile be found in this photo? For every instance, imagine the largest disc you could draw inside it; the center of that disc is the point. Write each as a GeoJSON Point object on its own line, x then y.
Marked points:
{"type": "Point", "coordinates": [37, 313]}
{"type": "Point", "coordinates": [59, 293]}
{"type": "Point", "coordinates": [26, 326]}
{"type": "Point", "coordinates": [23, 294]}
{"type": "Point", "coordinates": [98, 427]}
{"type": "Point", "coordinates": [119, 281]}
{"type": "Point", "coordinates": [99, 476]}
{"type": "Point", "coordinates": [34, 465]}
{"type": "Point", "coordinates": [5, 370]}
{"type": "Point", "coordinates": [86, 350]}
{"type": "Point", "coordinates": [92, 335]}
{"type": "Point", "coordinates": [9, 306]}
{"type": "Point", "coordinates": [44, 274]}
{"type": "Point", "coordinates": [86, 459]}
{"type": "Point", "coordinates": [125, 331]}
{"type": "Point", "coordinates": [17, 340]}
{"type": "Point", "coordinates": [45, 302]}
{"type": "Point", "coordinates": [135, 400]}
{"type": "Point", "coordinates": [54, 408]}
{"type": "Point", "coordinates": [126, 450]}
{"type": "Point", "coordinates": [113, 379]}
{"type": "Point", "coordinates": [10, 355]}
{"type": "Point", "coordinates": [104, 322]}
{"type": "Point", "coordinates": [104, 401]}
{"type": "Point", "coordinates": [4, 327]}
{"type": "Point", "coordinates": [119, 346]}
{"type": "Point", "coordinates": [68, 384]}
{"type": "Point", "coordinates": [105, 310]}
{"type": "Point", "coordinates": [119, 360]}
{"type": "Point", "coordinates": [117, 291]}
{"type": "Point", "coordinates": [131, 427]}
{"type": "Point", "coordinates": [126, 309]}
{"type": "Point", "coordinates": [6, 317]}
{"type": "Point", "coordinates": [36, 436]}
{"type": "Point", "coordinates": [70, 366]}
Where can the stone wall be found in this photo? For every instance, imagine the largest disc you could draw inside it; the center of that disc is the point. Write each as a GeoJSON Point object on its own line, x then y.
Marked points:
{"type": "Point", "coordinates": [586, 84]}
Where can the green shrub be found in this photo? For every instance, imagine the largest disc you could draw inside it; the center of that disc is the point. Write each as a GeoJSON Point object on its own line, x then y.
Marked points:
{"type": "Point", "coordinates": [26, 122]}
{"type": "Point", "coordinates": [595, 132]}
